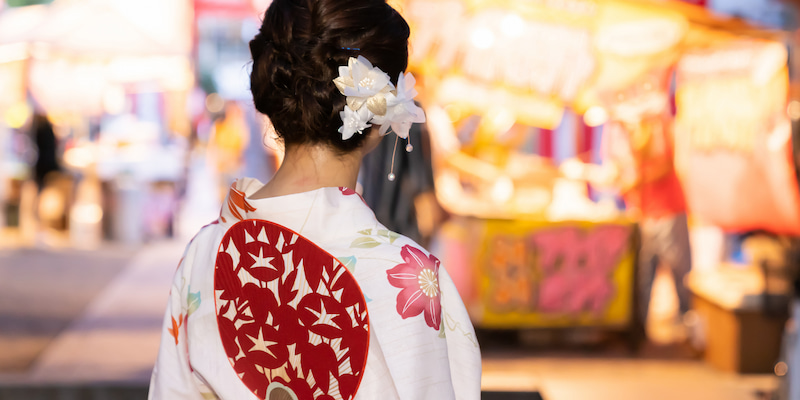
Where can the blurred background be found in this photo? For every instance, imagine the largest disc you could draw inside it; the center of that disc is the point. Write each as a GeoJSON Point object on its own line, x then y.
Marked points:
{"type": "Point", "coordinates": [612, 185]}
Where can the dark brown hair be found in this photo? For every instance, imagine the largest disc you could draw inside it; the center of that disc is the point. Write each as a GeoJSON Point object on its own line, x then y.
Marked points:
{"type": "Point", "coordinates": [296, 56]}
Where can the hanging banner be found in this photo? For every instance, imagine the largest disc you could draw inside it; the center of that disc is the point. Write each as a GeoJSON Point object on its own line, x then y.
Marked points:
{"type": "Point", "coordinates": [733, 138]}
{"type": "Point", "coordinates": [558, 53]}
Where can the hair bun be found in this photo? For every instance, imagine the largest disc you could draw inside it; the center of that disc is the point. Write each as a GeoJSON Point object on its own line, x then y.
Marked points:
{"type": "Point", "coordinates": [296, 56]}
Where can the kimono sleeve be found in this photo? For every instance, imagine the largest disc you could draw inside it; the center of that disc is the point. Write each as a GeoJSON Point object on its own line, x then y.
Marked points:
{"type": "Point", "coordinates": [422, 330]}
{"type": "Point", "coordinates": [463, 351]}
{"type": "Point", "coordinates": [172, 374]}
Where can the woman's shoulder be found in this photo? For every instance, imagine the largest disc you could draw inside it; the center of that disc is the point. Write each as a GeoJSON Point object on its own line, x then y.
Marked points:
{"type": "Point", "coordinates": [382, 244]}
{"type": "Point", "coordinates": [201, 246]}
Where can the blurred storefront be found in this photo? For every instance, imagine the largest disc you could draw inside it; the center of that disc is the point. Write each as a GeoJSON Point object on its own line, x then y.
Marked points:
{"type": "Point", "coordinates": [112, 78]}
{"type": "Point", "coordinates": [518, 96]}
{"type": "Point", "coordinates": [141, 95]}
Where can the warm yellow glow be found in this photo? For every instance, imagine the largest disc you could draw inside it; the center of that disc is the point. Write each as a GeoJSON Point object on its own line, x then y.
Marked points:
{"type": "Point", "coordinates": [595, 116]}
{"type": "Point", "coordinates": [642, 37]}
{"type": "Point", "coordinates": [793, 110]}
{"type": "Point", "coordinates": [16, 115]}
{"type": "Point", "coordinates": [722, 101]}
{"type": "Point", "coordinates": [513, 25]}
{"type": "Point", "coordinates": [87, 213]}
{"type": "Point", "coordinates": [454, 112]}
{"type": "Point", "coordinates": [582, 47]}
{"type": "Point", "coordinates": [41, 51]}
{"type": "Point", "coordinates": [174, 73]}
{"type": "Point", "coordinates": [769, 62]}
{"type": "Point", "coordinates": [482, 38]}
{"type": "Point", "coordinates": [502, 190]}
{"type": "Point", "coordinates": [500, 120]}
{"type": "Point", "coordinates": [572, 169]}
{"type": "Point", "coordinates": [78, 157]}
{"type": "Point", "coordinates": [51, 204]}
{"type": "Point", "coordinates": [214, 103]}
{"type": "Point", "coordinates": [473, 97]}
{"type": "Point", "coordinates": [13, 52]}
{"type": "Point", "coordinates": [114, 100]}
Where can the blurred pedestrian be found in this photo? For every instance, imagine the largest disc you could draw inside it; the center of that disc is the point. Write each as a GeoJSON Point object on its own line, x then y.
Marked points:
{"type": "Point", "coordinates": [407, 204]}
{"type": "Point", "coordinates": [230, 136]}
{"type": "Point", "coordinates": [641, 152]}
{"type": "Point", "coordinates": [47, 147]}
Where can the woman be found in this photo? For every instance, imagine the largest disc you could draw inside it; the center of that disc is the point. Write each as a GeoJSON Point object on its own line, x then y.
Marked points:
{"type": "Point", "coordinates": [297, 291]}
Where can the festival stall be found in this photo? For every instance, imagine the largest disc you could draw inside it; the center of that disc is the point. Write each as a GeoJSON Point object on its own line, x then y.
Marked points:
{"type": "Point", "coordinates": [113, 77]}
{"type": "Point", "coordinates": [735, 158]}
{"type": "Point", "coordinates": [527, 246]}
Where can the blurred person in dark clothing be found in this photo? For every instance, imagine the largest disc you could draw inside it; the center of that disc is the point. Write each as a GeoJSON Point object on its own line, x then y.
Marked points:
{"type": "Point", "coordinates": [46, 145]}
{"type": "Point", "coordinates": [396, 203]}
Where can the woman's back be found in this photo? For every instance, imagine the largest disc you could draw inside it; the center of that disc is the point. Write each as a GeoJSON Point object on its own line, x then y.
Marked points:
{"type": "Point", "coordinates": [297, 291]}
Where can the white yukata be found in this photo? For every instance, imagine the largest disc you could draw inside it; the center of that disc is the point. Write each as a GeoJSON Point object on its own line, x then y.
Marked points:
{"type": "Point", "coordinates": [308, 296]}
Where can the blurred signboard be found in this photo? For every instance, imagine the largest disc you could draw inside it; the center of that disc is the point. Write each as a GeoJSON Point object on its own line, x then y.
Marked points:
{"type": "Point", "coordinates": [536, 57]}
{"type": "Point", "coordinates": [547, 274]}
{"type": "Point", "coordinates": [733, 137]}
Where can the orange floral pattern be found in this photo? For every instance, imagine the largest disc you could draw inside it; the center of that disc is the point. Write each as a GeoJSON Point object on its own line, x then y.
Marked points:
{"type": "Point", "coordinates": [237, 201]}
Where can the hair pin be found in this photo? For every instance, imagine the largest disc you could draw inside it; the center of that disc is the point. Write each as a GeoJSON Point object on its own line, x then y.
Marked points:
{"type": "Point", "coordinates": [351, 48]}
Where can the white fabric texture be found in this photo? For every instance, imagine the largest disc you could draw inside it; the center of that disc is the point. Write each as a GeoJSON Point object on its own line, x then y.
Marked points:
{"type": "Point", "coordinates": [422, 356]}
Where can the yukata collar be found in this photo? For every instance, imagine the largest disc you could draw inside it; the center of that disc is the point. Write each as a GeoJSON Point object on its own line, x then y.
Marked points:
{"type": "Point", "coordinates": [239, 206]}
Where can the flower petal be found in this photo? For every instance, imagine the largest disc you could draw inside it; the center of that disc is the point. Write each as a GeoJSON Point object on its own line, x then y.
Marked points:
{"type": "Point", "coordinates": [391, 107]}
{"type": "Point", "coordinates": [377, 104]}
{"type": "Point", "coordinates": [401, 129]}
{"type": "Point", "coordinates": [355, 103]}
{"type": "Point", "coordinates": [433, 312]}
{"type": "Point", "coordinates": [410, 303]}
{"type": "Point", "coordinates": [404, 275]}
{"type": "Point", "coordinates": [341, 84]}
{"type": "Point", "coordinates": [353, 121]}
{"type": "Point", "coordinates": [362, 60]}
{"type": "Point", "coordinates": [412, 255]}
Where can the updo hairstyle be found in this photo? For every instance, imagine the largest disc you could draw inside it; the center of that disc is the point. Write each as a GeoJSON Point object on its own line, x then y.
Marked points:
{"type": "Point", "coordinates": [296, 56]}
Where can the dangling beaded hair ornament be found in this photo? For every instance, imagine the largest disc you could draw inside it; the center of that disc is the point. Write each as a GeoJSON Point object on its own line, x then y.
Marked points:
{"type": "Point", "coordinates": [373, 99]}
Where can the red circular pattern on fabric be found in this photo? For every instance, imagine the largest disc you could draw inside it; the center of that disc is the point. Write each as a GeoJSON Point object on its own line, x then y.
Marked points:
{"type": "Point", "coordinates": [289, 312]}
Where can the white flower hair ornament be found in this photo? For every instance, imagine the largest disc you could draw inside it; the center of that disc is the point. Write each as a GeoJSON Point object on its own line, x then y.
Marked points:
{"type": "Point", "coordinates": [373, 99]}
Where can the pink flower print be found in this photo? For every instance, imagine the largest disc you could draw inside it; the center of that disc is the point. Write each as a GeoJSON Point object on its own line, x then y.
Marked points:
{"type": "Point", "coordinates": [418, 277]}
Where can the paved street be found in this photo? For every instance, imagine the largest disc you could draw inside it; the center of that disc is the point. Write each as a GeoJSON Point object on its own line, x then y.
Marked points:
{"type": "Point", "coordinates": [42, 291]}
{"type": "Point", "coordinates": [659, 373]}
{"type": "Point", "coordinates": [85, 325]}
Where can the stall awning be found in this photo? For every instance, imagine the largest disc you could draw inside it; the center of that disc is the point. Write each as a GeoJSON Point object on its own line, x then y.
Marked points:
{"type": "Point", "coordinates": [535, 58]}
